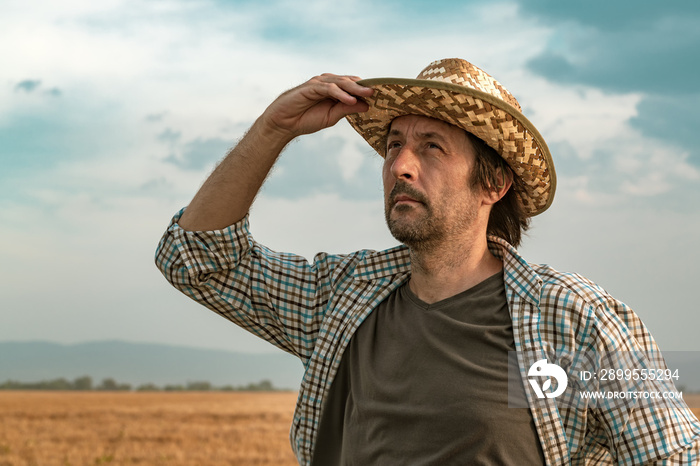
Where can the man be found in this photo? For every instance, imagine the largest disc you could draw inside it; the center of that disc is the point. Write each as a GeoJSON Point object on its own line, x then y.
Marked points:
{"type": "Point", "coordinates": [406, 350]}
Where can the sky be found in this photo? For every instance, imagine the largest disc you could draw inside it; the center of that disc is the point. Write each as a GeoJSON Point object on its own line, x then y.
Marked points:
{"type": "Point", "coordinates": [113, 113]}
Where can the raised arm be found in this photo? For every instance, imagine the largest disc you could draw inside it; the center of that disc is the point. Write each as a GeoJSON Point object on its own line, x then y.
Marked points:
{"type": "Point", "coordinates": [226, 196]}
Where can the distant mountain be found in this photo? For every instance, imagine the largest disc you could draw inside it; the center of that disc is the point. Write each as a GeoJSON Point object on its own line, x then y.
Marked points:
{"type": "Point", "coordinates": [141, 363]}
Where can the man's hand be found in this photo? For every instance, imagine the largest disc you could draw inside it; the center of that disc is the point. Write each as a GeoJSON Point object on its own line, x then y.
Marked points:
{"type": "Point", "coordinates": [226, 196]}
{"type": "Point", "coordinates": [317, 104]}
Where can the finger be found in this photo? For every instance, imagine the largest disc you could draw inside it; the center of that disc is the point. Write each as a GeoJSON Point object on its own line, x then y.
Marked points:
{"type": "Point", "coordinates": [347, 76]}
{"type": "Point", "coordinates": [339, 92]}
{"type": "Point", "coordinates": [339, 111]}
{"type": "Point", "coordinates": [348, 84]}
{"type": "Point", "coordinates": [320, 91]}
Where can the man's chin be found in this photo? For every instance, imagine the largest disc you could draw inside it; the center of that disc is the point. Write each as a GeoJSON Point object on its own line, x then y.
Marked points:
{"type": "Point", "coordinates": [410, 214]}
{"type": "Point", "coordinates": [407, 232]}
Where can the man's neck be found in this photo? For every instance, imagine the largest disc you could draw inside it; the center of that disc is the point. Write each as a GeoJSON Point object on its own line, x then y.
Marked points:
{"type": "Point", "coordinates": [445, 270]}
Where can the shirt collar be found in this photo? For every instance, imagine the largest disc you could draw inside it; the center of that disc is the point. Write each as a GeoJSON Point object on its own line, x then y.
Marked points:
{"type": "Point", "coordinates": [381, 264]}
{"type": "Point", "coordinates": [518, 274]}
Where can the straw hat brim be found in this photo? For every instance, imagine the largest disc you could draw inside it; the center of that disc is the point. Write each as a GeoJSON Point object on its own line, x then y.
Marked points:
{"type": "Point", "coordinates": [497, 123]}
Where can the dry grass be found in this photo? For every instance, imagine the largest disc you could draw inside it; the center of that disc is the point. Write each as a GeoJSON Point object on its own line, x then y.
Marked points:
{"type": "Point", "coordinates": [153, 428]}
{"type": "Point", "coordinates": [693, 400]}
{"type": "Point", "coordinates": [147, 428]}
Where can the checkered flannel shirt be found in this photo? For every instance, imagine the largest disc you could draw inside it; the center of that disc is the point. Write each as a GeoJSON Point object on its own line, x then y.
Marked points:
{"type": "Point", "coordinates": [313, 310]}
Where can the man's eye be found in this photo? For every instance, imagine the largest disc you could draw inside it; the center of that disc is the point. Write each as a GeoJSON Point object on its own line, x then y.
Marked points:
{"type": "Point", "coordinates": [432, 145]}
{"type": "Point", "coordinates": [393, 145]}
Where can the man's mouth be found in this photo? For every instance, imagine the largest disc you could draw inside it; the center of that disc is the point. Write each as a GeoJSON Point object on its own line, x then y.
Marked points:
{"type": "Point", "coordinates": [404, 199]}
{"type": "Point", "coordinates": [406, 195]}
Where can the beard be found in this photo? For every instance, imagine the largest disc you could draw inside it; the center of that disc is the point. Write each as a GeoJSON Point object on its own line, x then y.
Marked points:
{"type": "Point", "coordinates": [411, 232]}
{"type": "Point", "coordinates": [427, 225]}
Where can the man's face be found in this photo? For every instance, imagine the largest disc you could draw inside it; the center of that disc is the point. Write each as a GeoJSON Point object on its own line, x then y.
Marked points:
{"type": "Point", "coordinates": [426, 176]}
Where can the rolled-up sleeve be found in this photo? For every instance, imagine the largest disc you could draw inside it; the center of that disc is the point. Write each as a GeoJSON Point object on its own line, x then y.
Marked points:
{"type": "Point", "coordinates": [279, 297]}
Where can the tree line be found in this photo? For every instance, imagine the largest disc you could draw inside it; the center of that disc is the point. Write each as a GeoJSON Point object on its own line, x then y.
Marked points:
{"type": "Point", "coordinates": [86, 383]}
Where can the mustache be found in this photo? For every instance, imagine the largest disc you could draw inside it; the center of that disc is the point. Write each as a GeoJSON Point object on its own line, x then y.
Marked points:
{"type": "Point", "coordinates": [402, 187]}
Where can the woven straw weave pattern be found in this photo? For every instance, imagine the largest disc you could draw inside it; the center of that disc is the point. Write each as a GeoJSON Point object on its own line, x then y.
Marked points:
{"type": "Point", "coordinates": [462, 72]}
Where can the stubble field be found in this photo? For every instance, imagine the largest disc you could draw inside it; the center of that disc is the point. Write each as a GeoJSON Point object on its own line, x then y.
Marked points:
{"type": "Point", "coordinates": [150, 428]}
{"type": "Point", "coordinates": [147, 428]}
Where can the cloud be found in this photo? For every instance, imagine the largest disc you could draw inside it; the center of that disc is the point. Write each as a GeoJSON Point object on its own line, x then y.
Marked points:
{"type": "Point", "coordinates": [32, 142]}
{"type": "Point", "coordinates": [643, 49]}
{"type": "Point", "coordinates": [675, 119]}
{"type": "Point", "coordinates": [618, 48]}
{"type": "Point", "coordinates": [155, 117]}
{"type": "Point", "coordinates": [318, 26]}
{"type": "Point", "coordinates": [169, 136]}
{"type": "Point", "coordinates": [199, 153]}
{"type": "Point", "coordinates": [609, 16]}
{"type": "Point", "coordinates": [654, 59]}
{"type": "Point", "coordinates": [336, 162]}
{"type": "Point", "coordinates": [37, 135]}
{"type": "Point", "coordinates": [28, 85]}
{"type": "Point", "coordinates": [31, 85]}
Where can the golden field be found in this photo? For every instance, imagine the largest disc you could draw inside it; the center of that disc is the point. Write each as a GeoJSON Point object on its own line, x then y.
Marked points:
{"type": "Point", "coordinates": [45, 428]}
{"type": "Point", "coordinates": [149, 428]}
{"type": "Point", "coordinates": [694, 402]}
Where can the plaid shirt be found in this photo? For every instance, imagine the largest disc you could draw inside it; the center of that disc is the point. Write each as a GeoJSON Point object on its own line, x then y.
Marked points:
{"type": "Point", "coordinates": [313, 310]}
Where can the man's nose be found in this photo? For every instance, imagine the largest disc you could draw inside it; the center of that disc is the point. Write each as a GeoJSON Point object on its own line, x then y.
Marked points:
{"type": "Point", "coordinates": [405, 165]}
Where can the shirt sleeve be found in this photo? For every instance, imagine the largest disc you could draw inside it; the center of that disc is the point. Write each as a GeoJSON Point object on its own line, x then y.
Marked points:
{"type": "Point", "coordinates": [279, 297]}
{"type": "Point", "coordinates": [688, 457]}
{"type": "Point", "coordinates": [639, 431]}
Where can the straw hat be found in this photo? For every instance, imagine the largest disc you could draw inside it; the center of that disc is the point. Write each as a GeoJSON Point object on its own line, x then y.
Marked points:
{"type": "Point", "coordinates": [459, 93]}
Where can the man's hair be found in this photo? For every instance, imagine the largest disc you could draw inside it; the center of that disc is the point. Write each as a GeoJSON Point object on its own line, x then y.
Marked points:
{"type": "Point", "coordinates": [507, 219]}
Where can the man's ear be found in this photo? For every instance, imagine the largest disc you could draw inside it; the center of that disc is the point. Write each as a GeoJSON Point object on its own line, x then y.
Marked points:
{"type": "Point", "coordinates": [504, 180]}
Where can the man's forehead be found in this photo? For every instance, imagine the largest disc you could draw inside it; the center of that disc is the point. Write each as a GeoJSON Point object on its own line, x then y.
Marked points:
{"type": "Point", "coordinates": [424, 126]}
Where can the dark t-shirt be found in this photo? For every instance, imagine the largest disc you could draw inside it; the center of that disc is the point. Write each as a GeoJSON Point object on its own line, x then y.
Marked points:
{"type": "Point", "coordinates": [425, 384]}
